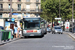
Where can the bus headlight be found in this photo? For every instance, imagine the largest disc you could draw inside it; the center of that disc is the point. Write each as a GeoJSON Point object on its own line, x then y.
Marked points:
{"type": "Point", "coordinates": [24, 31]}
{"type": "Point", "coordinates": [38, 31]}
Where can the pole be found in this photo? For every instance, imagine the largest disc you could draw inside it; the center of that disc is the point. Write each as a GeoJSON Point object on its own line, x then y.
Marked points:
{"type": "Point", "coordinates": [59, 8]}
{"type": "Point", "coordinates": [52, 22]}
{"type": "Point", "coordinates": [59, 11]}
{"type": "Point", "coordinates": [10, 8]}
{"type": "Point", "coordinates": [72, 13]}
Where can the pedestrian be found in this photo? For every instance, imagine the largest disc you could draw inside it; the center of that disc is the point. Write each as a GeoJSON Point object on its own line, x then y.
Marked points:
{"type": "Point", "coordinates": [15, 31]}
{"type": "Point", "coordinates": [19, 31]}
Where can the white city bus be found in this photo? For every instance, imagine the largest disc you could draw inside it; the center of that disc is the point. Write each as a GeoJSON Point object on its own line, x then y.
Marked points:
{"type": "Point", "coordinates": [33, 27]}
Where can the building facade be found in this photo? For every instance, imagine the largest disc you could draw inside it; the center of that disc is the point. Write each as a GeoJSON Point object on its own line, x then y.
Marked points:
{"type": "Point", "coordinates": [20, 8]}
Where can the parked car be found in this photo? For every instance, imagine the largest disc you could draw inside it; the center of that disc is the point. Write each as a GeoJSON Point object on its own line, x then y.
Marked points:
{"type": "Point", "coordinates": [48, 29]}
{"type": "Point", "coordinates": [57, 29]}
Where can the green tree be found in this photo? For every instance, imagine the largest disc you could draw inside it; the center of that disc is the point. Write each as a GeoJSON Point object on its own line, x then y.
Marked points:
{"type": "Point", "coordinates": [51, 9]}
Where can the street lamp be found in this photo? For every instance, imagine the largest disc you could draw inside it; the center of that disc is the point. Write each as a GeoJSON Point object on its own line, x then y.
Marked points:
{"type": "Point", "coordinates": [72, 13]}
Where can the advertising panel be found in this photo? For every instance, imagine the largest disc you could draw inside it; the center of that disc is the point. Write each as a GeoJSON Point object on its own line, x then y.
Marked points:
{"type": "Point", "coordinates": [67, 26]}
{"type": "Point", "coordinates": [9, 25]}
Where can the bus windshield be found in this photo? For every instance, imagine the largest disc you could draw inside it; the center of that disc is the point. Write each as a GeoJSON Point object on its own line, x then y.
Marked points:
{"type": "Point", "coordinates": [32, 24]}
{"type": "Point", "coordinates": [57, 27]}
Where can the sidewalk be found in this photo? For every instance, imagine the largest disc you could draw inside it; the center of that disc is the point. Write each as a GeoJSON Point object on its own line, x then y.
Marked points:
{"type": "Point", "coordinates": [71, 34]}
{"type": "Point", "coordinates": [8, 41]}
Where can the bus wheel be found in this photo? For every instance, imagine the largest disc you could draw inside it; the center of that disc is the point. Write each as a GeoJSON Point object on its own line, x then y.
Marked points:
{"type": "Point", "coordinates": [25, 36]}
{"type": "Point", "coordinates": [45, 32]}
{"type": "Point", "coordinates": [41, 36]}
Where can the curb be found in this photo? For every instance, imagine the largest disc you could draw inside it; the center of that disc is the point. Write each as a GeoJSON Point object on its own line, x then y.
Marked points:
{"type": "Point", "coordinates": [71, 35]}
{"type": "Point", "coordinates": [9, 41]}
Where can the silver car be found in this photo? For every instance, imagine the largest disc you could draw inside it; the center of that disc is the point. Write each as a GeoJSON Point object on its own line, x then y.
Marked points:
{"type": "Point", "coordinates": [57, 29]}
{"type": "Point", "coordinates": [48, 29]}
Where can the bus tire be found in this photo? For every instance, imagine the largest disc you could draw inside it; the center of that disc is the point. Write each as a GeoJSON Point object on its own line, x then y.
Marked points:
{"type": "Point", "coordinates": [42, 36]}
{"type": "Point", "coordinates": [25, 36]}
{"type": "Point", "coordinates": [45, 32]}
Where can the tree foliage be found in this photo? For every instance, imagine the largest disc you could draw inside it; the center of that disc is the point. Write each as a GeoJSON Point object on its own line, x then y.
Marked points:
{"type": "Point", "coordinates": [51, 9]}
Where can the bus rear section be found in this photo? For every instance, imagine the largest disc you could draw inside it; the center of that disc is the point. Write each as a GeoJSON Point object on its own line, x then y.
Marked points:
{"type": "Point", "coordinates": [44, 26]}
{"type": "Point", "coordinates": [31, 27]}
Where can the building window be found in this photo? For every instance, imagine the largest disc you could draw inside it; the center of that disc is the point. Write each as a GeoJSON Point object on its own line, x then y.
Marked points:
{"type": "Point", "coordinates": [27, 0]}
{"type": "Point", "coordinates": [37, 15]}
{"type": "Point", "coordinates": [8, 0]}
{"type": "Point", "coordinates": [0, 15]}
{"type": "Point", "coordinates": [37, 0]}
{"type": "Point", "coordinates": [37, 7]}
{"type": "Point", "coordinates": [1, 6]}
{"type": "Point", "coordinates": [19, 0]}
{"type": "Point", "coordinates": [19, 7]}
{"type": "Point", "coordinates": [27, 7]}
{"type": "Point", "coordinates": [9, 6]}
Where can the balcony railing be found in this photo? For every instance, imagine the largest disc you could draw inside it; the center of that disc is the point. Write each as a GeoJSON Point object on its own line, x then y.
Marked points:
{"type": "Point", "coordinates": [32, 10]}
{"type": "Point", "coordinates": [8, 0]}
{"type": "Point", "coordinates": [1, 9]}
{"type": "Point", "coordinates": [1, 0]}
{"type": "Point", "coordinates": [19, 9]}
{"type": "Point", "coordinates": [37, 0]}
{"type": "Point", "coordinates": [19, 0]}
{"type": "Point", "coordinates": [27, 0]}
{"type": "Point", "coordinates": [16, 10]}
{"type": "Point", "coordinates": [23, 10]}
{"type": "Point", "coordinates": [6, 9]}
{"type": "Point", "coordinates": [12, 10]}
{"type": "Point", "coordinates": [27, 10]}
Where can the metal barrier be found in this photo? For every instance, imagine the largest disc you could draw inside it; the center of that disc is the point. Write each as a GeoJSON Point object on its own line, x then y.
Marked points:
{"type": "Point", "coordinates": [0, 36]}
{"type": "Point", "coordinates": [5, 35]}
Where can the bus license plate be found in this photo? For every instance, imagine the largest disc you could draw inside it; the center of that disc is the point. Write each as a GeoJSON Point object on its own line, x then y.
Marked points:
{"type": "Point", "coordinates": [32, 35]}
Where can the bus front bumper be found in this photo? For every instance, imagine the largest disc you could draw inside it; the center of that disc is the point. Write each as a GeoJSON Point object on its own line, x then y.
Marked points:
{"type": "Point", "coordinates": [32, 34]}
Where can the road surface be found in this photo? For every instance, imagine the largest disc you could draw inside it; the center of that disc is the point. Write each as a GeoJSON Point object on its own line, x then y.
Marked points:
{"type": "Point", "coordinates": [48, 42]}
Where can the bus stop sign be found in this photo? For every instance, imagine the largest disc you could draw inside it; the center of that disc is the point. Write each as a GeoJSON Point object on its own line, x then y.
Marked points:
{"type": "Point", "coordinates": [12, 19]}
